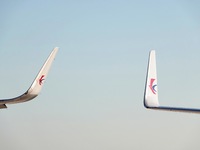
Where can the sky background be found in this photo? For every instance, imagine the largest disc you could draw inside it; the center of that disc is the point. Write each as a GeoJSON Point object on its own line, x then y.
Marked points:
{"type": "Point", "coordinates": [93, 96]}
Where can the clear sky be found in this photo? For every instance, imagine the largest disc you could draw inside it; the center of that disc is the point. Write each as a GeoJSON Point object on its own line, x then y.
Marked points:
{"type": "Point", "coordinates": [93, 96]}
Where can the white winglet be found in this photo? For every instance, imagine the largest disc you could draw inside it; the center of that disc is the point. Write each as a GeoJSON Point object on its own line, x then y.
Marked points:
{"type": "Point", "coordinates": [36, 86]}
{"type": "Point", "coordinates": [39, 80]}
{"type": "Point", "coordinates": [151, 90]}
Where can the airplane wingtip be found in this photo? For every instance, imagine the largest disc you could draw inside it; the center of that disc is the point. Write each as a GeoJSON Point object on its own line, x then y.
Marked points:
{"type": "Point", "coordinates": [56, 48]}
{"type": "Point", "coordinates": [151, 91]}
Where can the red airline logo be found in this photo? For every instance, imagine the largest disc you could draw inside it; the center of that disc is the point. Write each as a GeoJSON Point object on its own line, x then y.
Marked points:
{"type": "Point", "coordinates": [41, 80]}
{"type": "Point", "coordinates": [152, 86]}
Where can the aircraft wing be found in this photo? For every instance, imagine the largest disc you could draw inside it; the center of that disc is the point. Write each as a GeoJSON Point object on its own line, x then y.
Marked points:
{"type": "Point", "coordinates": [36, 86]}
{"type": "Point", "coordinates": [151, 90]}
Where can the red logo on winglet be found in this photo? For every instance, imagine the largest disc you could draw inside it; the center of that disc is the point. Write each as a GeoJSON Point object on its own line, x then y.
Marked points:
{"type": "Point", "coordinates": [152, 86]}
{"type": "Point", "coordinates": [41, 80]}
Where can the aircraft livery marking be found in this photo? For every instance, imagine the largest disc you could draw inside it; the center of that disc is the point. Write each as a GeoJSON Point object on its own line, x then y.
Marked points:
{"type": "Point", "coordinates": [152, 86]}
{"type": "Point", "coordinates": [41, 80]}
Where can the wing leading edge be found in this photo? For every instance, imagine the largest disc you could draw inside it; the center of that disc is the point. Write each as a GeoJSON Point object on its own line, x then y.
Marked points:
{"type": "Point", "coordinates": [151, 90]}
{"type": "Point", "coordinates": [36, 86]}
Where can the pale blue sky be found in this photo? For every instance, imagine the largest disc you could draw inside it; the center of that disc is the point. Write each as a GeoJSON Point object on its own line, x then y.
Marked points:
{"type": "Point", "coordinates": [93, 97]}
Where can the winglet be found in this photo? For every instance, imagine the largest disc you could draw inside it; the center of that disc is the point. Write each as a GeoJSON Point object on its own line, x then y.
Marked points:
{"type": "Point", "coordinates": [37, 84]}
{"type": "Point", "coordinates": [151, 90]}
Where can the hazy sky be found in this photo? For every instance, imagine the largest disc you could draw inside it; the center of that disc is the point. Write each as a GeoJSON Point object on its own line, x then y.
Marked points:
{"type": "Point", "coordinates": [93, 96]}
